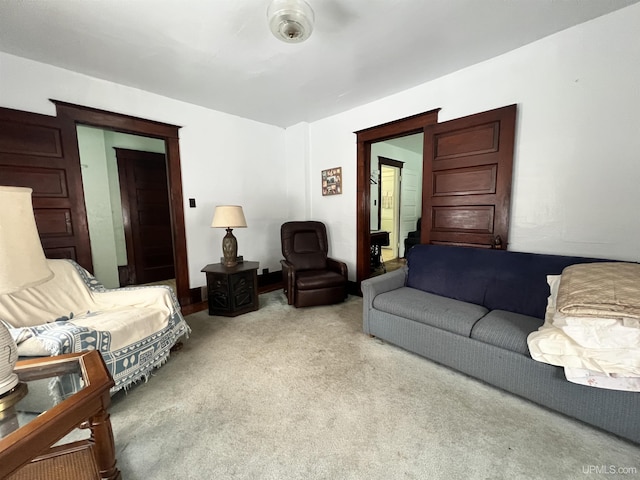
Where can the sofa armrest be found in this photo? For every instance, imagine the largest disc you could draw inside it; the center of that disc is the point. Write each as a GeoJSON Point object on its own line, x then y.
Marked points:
{"type": "Point", "coordinates": [372, 287]}
{"type": "Point", "coordinates": [156, 296]}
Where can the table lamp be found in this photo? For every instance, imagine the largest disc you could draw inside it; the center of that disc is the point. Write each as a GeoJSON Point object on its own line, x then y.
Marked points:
{"type": "Point", "coordinates": [229, 217]}
{"type": "Point", "coordinates": [22, 265]}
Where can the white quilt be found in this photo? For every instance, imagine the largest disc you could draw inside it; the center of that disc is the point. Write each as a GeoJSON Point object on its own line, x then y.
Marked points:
{"type": "Point", "coordinates": [601, 351]}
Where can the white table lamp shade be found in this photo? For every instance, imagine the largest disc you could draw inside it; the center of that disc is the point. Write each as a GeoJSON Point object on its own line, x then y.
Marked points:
{"type": "Point", "coordinates": [22, 265]}
{"type": "Point", "coordinates": [22, 260]}
{"type": "Point", "coordinates": [228, 216]}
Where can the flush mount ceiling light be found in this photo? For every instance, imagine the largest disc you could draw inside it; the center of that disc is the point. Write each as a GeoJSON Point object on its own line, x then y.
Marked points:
{"type": "Point", "coordinates": [290, 20]}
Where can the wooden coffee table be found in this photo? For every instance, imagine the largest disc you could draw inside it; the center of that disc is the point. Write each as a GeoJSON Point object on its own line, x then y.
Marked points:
{"type": "Point", "coordinates": [76, 395]}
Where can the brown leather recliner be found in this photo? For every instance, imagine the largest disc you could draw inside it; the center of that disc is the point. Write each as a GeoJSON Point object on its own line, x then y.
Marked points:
{"type": "Point", "coordinates": [310, 277]}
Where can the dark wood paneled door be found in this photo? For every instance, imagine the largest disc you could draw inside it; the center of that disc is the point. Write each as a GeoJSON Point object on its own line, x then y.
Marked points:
{"type": "Point", "coordinates": [147, 219]}
{"type": "Point", "coordinates": [468, 164]}
{"type": "Point", "coordinates": [34, 152]}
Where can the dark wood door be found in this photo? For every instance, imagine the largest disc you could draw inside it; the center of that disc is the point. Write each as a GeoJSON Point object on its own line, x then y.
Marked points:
{"type": "Point", "coordinates": [468, 164]}
{"type": "Point", "coordinates": [37, 151]}
{"type": "Point", "coordinates": [147, 219]}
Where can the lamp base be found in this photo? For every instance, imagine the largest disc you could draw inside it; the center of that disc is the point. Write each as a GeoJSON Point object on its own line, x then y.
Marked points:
{"type": "Point", "coordinates": [8, 383]}
{"type": "Point", "coordinates": [8, 417]}
{"type": "Point", "coordinates": [229, 249]}
{"type": "Point", "coordinates": [239, 259]}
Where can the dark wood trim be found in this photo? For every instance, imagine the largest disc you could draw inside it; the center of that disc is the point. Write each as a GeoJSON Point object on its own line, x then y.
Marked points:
{"type": "Point", "coordinates": [389, 163]}
{"type": "Point", "coordinates": [118, 121]}
{"type": "Point", "coordinates": [397, 128]}
{"type": "Point", "coordinates": [194, 308]}
{"type": "Point", "coordinates": [379, 189]}
{"type": "Point", "coordinates": [79, 114]}
{"type": "Point", "coordinates": [353, 288]}
{"type": "Point", "coordinates": [269, 281]}
{"type": "Point", "coordinates": [126, 220]}
{"type": "Point", "coordinates": [35, 153]}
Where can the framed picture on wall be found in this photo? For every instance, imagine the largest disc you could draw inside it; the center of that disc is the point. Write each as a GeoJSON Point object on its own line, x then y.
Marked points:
{"type": "Point", "coordinates": [332, 181]}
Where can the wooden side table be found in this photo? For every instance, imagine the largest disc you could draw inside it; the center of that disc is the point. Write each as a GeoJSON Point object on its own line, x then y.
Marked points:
{"type": "Point", "coordinates": [232, 291]}
{"type": "Point", "coordinates": [81, 400]}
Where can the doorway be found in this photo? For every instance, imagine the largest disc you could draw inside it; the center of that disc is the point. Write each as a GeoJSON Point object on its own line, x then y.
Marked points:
{"type": "Point", "coordinates": [466, 178]}
{"type": "Point", "coordinates": [365, 139]}
{"type": "Point", "coordinates": [389, 209]}
{"type": "Point", "coordinates": [115, 229]}
{"type": "Point", "coordinates": [41, 152]}
{"type": "Point", "coordinates": [71, 115]}
{"type": "Point", "coordinates": [390, 176]}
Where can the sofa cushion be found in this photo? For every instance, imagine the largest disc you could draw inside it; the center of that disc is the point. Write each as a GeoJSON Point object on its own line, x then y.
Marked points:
{"type": "Point", "coordinates": [441, 312]}
{"type": "Point", "coordinates": [496, 279]}
{"type": "Point", "coordinates": [506, 330]}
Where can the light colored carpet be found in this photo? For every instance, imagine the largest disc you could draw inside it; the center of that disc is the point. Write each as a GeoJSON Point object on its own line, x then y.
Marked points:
{"type": "Point", "coordinates": [286, 393]}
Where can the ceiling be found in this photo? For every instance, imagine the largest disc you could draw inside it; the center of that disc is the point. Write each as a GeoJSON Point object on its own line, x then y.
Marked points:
{"type": "Point", "coordinates": [220, 54]}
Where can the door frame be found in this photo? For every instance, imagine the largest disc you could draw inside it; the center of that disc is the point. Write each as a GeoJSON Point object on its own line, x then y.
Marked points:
{"type": "Point", "coordinates": [397, 164]}
{"type": "Point", "coordinates": [397, 128]}
{"type": "Point", "coordinates": [81, 115]}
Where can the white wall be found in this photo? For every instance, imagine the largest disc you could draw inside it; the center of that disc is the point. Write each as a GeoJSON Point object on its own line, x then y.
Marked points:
{"type": "Point", "coordinates": [225, 159]}
{"type": "Point", "coordinates": [576, 175]}
{"type": "Point", "coordinates": [298, 179]}
{"type": "Point", "coordinates": [576, 168]}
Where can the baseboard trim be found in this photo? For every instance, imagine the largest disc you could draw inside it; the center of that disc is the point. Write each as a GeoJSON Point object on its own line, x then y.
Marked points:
{"type": "Point", "coordinates": [353, 288]}
{"type": "Point", "coordinates": [267, 282]}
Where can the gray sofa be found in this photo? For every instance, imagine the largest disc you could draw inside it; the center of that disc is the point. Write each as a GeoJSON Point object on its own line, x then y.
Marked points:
{"type": "Point", "coordinates": [472, 310]}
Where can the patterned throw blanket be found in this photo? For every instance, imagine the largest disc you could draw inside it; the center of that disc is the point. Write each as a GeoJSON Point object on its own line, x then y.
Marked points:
{"type": "Point", "coordinates": [62, 336]}
{"type": "Point", "coordinates": [135, 338]}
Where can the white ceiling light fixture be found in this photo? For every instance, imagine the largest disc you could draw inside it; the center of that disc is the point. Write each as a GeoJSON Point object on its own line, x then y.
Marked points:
{"type": "Point", "coordinates": [290, 20]}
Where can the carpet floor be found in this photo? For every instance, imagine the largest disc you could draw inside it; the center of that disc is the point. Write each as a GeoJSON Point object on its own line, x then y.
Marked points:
{"type": "Point", "coordinates": [285, 393]}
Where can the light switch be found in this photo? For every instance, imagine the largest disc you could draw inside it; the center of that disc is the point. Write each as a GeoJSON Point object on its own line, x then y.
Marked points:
{"type": "Point", "coordinates": [192, 203]}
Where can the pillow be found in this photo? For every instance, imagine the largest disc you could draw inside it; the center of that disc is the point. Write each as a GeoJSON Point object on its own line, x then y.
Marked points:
{"type": "Point", "coordinates": [32, 347]}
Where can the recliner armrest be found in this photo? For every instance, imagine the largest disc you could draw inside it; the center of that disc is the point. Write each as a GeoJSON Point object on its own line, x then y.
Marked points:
{"type": "Point", "coordinates": [289, 279]}
{"type": "Point", "coordinates": [337, 266]}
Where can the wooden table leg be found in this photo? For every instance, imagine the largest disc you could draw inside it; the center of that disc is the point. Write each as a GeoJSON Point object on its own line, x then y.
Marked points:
{"type": "Point", "coordinates": [105, 449]}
